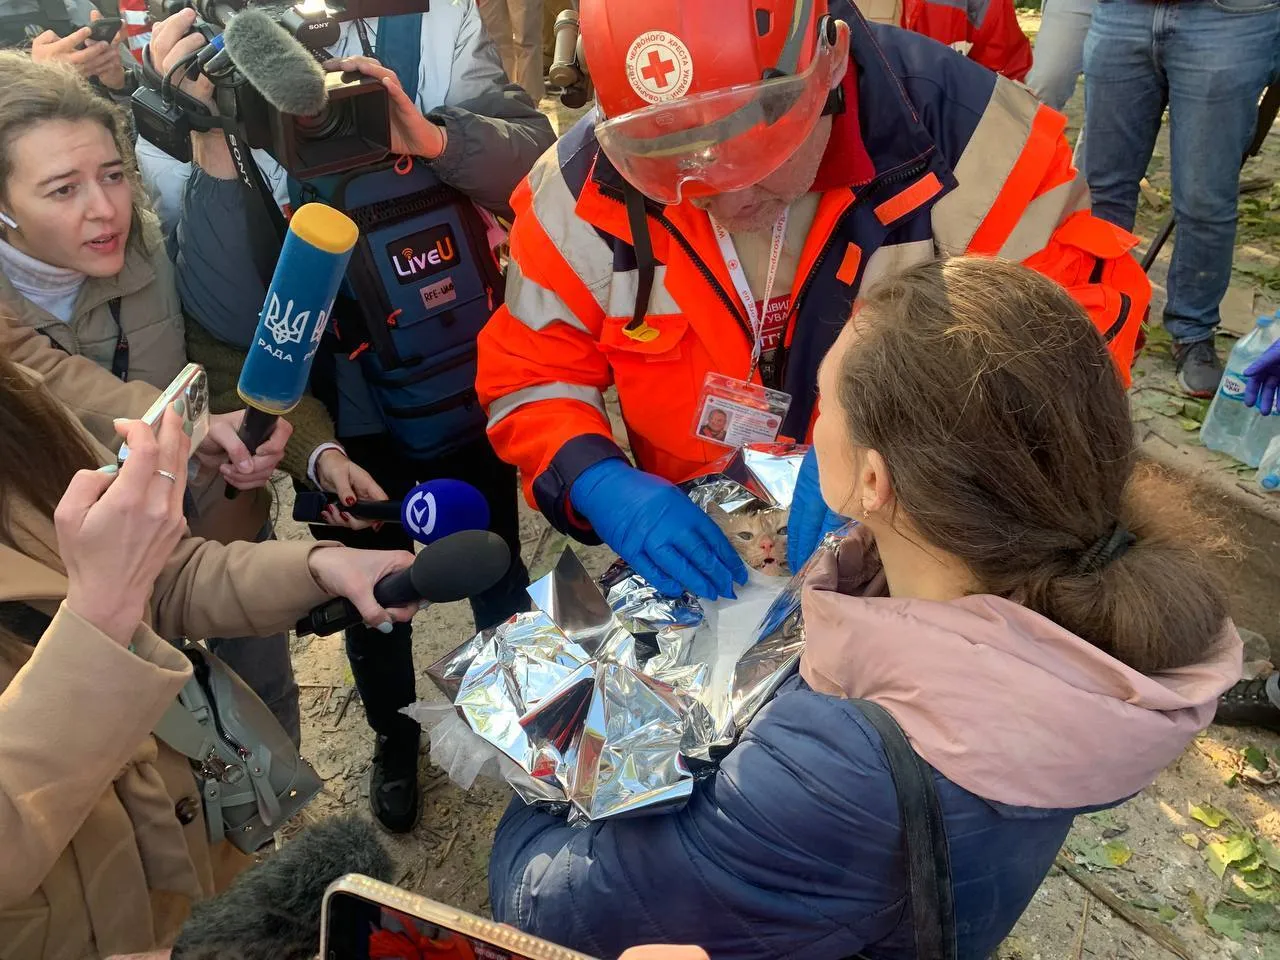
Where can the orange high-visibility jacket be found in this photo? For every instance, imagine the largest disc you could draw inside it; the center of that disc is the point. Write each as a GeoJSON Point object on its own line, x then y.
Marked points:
{"type": "Point", "coordinates": [950, 159]}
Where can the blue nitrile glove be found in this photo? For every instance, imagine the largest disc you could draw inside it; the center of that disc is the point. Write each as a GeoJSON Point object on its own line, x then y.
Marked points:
{"type": "Point", "coordinates": [1262, 377]}
{"type": "Point", "coordinates": [652, 525]}
{"type": "Point", "coordinates": [811, 519]}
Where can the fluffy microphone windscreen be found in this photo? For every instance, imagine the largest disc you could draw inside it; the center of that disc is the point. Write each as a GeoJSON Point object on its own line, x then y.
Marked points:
{"type": "Point", "coordinates": [275, 64]}
{"type": "Point", "coordinates": [459, 566]}
{"type": "Point", "coordinates": [272, 910]}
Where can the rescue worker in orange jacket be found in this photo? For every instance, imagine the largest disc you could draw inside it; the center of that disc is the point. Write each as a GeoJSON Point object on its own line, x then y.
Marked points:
{"type": "Point", "coordinates": [986, 31]}
{"type": "Point", "coordinates": [700, 239]}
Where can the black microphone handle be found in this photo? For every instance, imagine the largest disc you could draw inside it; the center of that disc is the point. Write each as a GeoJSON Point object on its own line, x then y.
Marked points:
{"type": "Point", "coordinates": [308, 507]}
{"type": "Point", "coordinates": [397, 589]}
{"type": "Point", "coordinates": [393, 590]}
{"type": "Point", "coordinates": [255, 428]}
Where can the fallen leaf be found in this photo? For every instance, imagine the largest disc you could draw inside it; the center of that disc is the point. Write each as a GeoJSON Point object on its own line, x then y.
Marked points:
{"type": "Point", "coordinates": [1191, 840]}
{"type": "Point", "coordinates": [1268, 851]}
{"type": "Point", "coordinates": [1256, 758]}
{"type": "Point", "coordinates": [1196, 902]}
{"type": "Point", "coordinates": [1188, 425]}
{"type": "Point", "coordinates": [1231, 780]}
{"type": "Point", "coordinates": [1117, 852]}
{"type": "Point", "coordinates": [1209, 815]}
{"type": "Point", "coordinates": [1227, 921]}
{"type": "Point", "coordinates": [1221, 855]}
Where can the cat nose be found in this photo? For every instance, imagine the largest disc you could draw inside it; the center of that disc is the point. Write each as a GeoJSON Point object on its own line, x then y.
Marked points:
{"type": "Point", "coordinates": [766, 543]}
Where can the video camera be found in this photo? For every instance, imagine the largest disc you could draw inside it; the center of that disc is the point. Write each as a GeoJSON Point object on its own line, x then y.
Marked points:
{"type": "Point", "coordinates": [350, 129]}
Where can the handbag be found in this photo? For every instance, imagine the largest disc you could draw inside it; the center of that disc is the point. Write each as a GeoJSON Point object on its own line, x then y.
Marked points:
{"type": "Point", "coordinates": [250, 774]}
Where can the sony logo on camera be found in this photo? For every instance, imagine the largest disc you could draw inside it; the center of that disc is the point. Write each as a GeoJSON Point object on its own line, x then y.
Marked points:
{"type": "Point", "coordinates": [423, 254]}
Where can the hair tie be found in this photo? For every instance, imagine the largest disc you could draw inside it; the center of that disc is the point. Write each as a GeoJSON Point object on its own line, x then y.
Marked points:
{"type": "Point", "coordinates": [1106, 548]}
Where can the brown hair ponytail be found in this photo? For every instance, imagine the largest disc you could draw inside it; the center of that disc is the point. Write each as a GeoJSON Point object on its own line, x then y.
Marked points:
{"type": "Point", "coordinates": [994, 402]}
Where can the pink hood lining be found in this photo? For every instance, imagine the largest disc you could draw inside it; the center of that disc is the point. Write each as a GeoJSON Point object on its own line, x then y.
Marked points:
{"type": "Point", "coordinates": [1000, 700]}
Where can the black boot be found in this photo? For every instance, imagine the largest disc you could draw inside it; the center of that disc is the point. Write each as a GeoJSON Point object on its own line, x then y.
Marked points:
{"type": "Point", "coordinates": [1252, 703]}
{"type": "Point", "coordinates": [393, 783]}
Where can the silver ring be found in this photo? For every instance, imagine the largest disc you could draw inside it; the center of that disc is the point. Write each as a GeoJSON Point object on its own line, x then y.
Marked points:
{"type": "Point", "coordinates": [171, 477]}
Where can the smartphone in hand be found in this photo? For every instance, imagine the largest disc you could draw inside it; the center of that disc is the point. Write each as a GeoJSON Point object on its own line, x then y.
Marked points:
{"type": "Point", "coordinates": [364, 918]}
{"type": "Point", "coordinates": [191, 386]}
{"type": "Point", "coordinates": [105, 30]}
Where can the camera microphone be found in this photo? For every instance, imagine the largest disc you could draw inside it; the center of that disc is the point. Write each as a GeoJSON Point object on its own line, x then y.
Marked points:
{"type": "Point", "coordinates": [272, 911]}
{"type": "Point", "coordinates": [459, 566]}
{"type": "Point", "coordinates": [429, 512]}
{"type": "Point", "coordinates": [275, 64]}
{"type": "Point", "coordinates": [312, 264]}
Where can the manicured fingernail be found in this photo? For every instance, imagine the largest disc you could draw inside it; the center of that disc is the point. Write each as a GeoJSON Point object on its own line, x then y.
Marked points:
{"type": "Point", "coordinates": [109, 468]}
{"type": "Point", "coordinates": [386, 626]}
{"type": "Point", "coordinates": [377, 525]}
{"type": "Point", "coordinates": [188, 427]}
{"type": "Point", "coordinates": [120, 420]}
{"type": "Point", "coordinates": [350, 501]}
{"type": "Point", "coordinates": [345, 515]}
{"type": "Point", "coordinates": [180, 406]}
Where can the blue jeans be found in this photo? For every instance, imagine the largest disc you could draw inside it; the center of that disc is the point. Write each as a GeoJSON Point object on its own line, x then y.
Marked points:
{"type": "Point", "coordinates": [1208, 61]}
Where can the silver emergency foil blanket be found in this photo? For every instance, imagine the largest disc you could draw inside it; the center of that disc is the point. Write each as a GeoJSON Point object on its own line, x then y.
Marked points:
{"type": "Point", "coordinates": [610, 699]}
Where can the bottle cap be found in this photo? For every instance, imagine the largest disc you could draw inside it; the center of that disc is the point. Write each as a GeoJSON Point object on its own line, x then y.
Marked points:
{"type": "Point", "coordinates": [1266, 321]}
{"type": "Point", "coordinates": [1270, 482]}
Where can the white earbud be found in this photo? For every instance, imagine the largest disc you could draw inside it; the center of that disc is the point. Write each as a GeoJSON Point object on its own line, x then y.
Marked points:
{"type": "Point", "coordinates": [8, 221]}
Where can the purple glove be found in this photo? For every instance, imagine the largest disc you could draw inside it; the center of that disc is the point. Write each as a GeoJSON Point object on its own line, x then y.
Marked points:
{"type": "Point", "coordinates": [1262, 377]}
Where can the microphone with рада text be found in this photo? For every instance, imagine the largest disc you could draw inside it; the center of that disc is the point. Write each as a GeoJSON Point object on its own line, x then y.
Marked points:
{"type": "Point", "coordinates": [312, 264]}
{"type": "Point", "coordinates": [272, 911]}
{"type": "Point", "coordinates": [454, 568]}
{"type": "Point", "coordinates": [429, 512]}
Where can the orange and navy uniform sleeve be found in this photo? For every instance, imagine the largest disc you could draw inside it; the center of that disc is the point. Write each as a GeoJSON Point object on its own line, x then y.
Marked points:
{"type": "Point", "coordinates": [541, 374]}
{"type": "Point", "coordinates": [1036, 210]}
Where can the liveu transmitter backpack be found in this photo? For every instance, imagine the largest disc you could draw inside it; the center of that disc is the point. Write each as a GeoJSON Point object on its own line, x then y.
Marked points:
{"type": "Point", "coordinates": [422, 283]}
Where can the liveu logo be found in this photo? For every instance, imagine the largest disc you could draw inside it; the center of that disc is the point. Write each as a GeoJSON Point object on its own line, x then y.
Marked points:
{"type": "Point", "coordinates": [410, 264]}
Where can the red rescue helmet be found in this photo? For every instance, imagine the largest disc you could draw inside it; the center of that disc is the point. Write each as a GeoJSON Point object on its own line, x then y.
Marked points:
{"type": "Point", "coordinates": [699, 97]}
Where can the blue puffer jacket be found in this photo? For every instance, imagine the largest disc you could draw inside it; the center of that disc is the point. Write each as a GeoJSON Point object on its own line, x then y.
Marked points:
{"type": "Point", "coordinates": [792, 849]}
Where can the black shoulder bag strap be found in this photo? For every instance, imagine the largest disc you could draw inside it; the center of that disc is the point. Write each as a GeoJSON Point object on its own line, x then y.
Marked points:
{"type": "Point", "coordinates": [933, 915]}
{"type": "Point", "coordinates": [638, 220]}
{"type": "Point", "coordinates": [120, 358]}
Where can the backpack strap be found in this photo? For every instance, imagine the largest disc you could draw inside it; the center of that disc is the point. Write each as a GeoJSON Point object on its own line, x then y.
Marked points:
{"type": "Point", "coordinates": [399, 49]}
{"type": "Point", "coordinates": [642, 243]}
{"type": "Point", "coordinates": [924, 837]}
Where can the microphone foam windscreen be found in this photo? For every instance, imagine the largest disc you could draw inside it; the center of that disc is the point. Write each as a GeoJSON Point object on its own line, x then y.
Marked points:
{"type": "Point", "coordinates": [272, 910]}
{"type": "Point", "coordinates": [438, 508]}
{"type": "Point", "coordinates": [460, 566]}
{"type": "Point", "coordinates": [275, 64]}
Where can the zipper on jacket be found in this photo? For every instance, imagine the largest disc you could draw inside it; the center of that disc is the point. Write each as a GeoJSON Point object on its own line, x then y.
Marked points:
{"type": "Point", "coordinates": [692, 254]}
{"type": "Point", "coordinates": [780, 361]}
{"type": "Point", "coordinates": [465, 398]}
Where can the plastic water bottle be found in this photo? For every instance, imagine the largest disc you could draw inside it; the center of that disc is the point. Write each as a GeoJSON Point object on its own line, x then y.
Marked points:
{"type": "Point", "coordinates": [1269, 468]}
{"type": "Point", "coordinates": [1227, 426]}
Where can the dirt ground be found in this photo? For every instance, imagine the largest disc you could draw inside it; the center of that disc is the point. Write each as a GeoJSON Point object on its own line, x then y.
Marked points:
{"type": "Point", "coordinates": [1149, 853]}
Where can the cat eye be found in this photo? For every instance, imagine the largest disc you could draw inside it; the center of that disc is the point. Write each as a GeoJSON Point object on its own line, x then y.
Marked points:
{"type": "Point", "coordinates": [745, 535]}
{"type": "Point", "coordinates": [782, 531]}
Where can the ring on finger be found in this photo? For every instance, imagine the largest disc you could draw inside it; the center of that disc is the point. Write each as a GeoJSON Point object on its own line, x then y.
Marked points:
{"type": "Point", "coordinates": [171, 477]}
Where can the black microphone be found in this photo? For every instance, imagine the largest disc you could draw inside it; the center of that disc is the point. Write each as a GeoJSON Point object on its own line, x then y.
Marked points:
{"type": "Point", "coordinates": [309, 507]}
{"type": "Point", "coordinates": [272, 910]}
{"type": "Point", "coordinates": [453, 568]}
{"type": "Point", "coordinates": [275, 64]}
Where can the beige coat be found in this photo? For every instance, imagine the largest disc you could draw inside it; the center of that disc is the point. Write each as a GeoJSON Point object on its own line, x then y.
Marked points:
{"type": "Point", "coordinates": [150, 313]}
{"type": "Point", "coordinates": [95, 858]}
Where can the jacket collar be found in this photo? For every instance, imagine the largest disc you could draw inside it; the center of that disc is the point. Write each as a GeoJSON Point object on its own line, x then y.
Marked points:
{"type": "Point", "coordinates": [137, 274]}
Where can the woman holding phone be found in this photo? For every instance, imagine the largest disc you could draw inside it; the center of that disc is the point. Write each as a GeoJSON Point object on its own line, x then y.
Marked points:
{"type": "Point", "coordinates": [82, 262]}
{"type": "Point", "coordinates": [105, 842]}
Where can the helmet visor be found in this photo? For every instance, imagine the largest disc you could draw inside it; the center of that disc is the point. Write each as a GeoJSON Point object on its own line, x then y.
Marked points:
{"type": "Point", "coordinates": [721, 141]}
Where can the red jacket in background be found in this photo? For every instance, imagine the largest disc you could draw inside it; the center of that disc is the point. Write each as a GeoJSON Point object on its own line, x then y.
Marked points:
{"type": "Point", "coordinates": [986, 31]}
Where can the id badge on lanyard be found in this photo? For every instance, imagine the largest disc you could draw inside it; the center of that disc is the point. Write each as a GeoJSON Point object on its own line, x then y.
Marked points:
{"type": "Point", "coordinates": [733, 412]}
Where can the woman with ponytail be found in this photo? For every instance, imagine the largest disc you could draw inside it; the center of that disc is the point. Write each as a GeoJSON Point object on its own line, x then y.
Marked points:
{"type": "Point", "coordinates": [1033, 607]}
